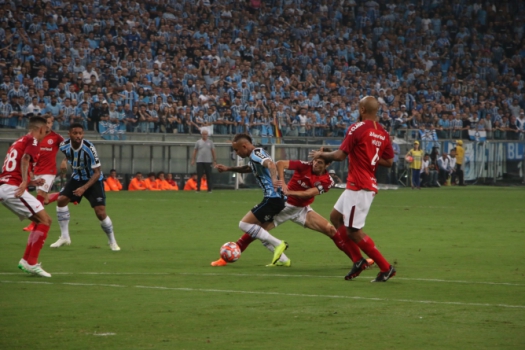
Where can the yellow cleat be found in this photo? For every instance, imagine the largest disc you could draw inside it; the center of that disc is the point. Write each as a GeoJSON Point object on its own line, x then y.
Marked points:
{"type": "Point", "coordinates": [287, 263]}
{"type": "Point", "coordinates": [279, 250]}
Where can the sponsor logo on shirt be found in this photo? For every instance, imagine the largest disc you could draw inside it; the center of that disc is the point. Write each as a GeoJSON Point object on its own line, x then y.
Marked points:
{"type": "Point", "coordinates": [46, 149]}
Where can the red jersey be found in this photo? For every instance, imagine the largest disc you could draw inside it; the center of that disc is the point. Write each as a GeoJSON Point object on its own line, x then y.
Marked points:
{"type": "Point", "coordinates": [303, 179]}
{"type": "Point", "coordinates": [365, 143]}
{"type": "Point", "coordinates": [11, 170]}
{"type": "Point", "coordinates": [46, 163]}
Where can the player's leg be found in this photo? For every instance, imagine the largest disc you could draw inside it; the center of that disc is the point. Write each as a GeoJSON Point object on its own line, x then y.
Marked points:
{"type": "Point", "coordinates": [97, 197]}
{"type": "Point", "coordinates": [42, 195]}
{"type": "Point", "coordinates": [341, 238]}
{"type": "Point", "coordinates": [66, 195]}
{"type": "Point", "coordinates": [27, 206]}
{"type": "Point", "coordinates": [360, 202]}
{"type": "Point", "coordinates": [253, 226]}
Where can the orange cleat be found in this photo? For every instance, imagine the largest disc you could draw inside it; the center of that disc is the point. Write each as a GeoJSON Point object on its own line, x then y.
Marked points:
{"type": "Point", "coordinates": [29, 227]}
{"type": "Point", "coordinates": [220, 262]}
{"type": "Point", "coordinates": [370, 262]}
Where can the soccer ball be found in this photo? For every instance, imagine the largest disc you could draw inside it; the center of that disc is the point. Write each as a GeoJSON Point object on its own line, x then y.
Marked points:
{"type": "Point", "coordinates": [409, 159]}
{"type": "Point", "coordinates": [230, 252]}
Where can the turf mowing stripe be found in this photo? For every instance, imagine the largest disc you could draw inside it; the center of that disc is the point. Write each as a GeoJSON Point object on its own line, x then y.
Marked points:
{"type": "Point", "coordinates": [272, 293]}
{"type": "Point", "coordinates": [266, 275]}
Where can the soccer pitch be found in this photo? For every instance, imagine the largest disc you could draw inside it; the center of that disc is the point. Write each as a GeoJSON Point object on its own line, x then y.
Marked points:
{"type": "Point", "coordinates": [459, 254]}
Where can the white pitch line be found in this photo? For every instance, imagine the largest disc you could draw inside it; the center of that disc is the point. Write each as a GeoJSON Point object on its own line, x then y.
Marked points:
{"type": "Point", "coordinates": [326, 296]}
{"type": "Point", "coordinates": [266, 275]}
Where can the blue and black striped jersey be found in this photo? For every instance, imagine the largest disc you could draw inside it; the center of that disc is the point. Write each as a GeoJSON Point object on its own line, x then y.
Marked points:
{"type": "Point", "coordinates": [262, 174]}
{"type": "Point", "coordinates": [83, 159]}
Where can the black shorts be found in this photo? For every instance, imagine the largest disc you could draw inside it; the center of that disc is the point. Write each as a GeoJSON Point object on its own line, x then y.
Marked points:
{"type": "Point", "coordinates": [268, 208]}
{"type": "Point", "coordinates": [95, 194]}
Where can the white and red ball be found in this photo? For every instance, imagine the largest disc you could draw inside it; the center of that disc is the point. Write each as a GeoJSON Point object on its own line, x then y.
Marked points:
{"type": "Point", "coordinates": [230, 252]}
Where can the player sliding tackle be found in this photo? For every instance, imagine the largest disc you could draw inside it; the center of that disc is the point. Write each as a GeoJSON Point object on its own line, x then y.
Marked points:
{"type": "Point", "coordinates": [265, 172]}
{"type": "Point", "coordinates": [366, 145]}
{"type": "Point", "coordinates": [310, 179]}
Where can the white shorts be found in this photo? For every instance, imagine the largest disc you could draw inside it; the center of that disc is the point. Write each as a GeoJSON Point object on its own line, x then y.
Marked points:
{"type": "Point", "coordinates": [354, 205]}
{"type": "Point", "coordinates": [25, 206]}
{"type": "Point", "coordinates": [48, 185]}
{"type": "Point", "coordinates": [292, 213]}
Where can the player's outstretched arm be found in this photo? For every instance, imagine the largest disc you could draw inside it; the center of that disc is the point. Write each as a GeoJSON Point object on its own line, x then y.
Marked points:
{"type": "Point", "coordinates": [335, 156]}
{"type": "Point", "coordinates": [235, 169]}
{"type": "Point", "coordinates": [309, 193]}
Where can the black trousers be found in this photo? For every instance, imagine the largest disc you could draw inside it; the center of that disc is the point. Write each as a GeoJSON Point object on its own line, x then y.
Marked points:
{"type": "Point", "coordinates": [459, 174]}
{"type": "Point", "coordinates": [203, 168]}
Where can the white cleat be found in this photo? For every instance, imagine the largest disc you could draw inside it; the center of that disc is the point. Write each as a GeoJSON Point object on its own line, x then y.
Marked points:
{"type": "Point", "coordinates": [114, 247]}
{"type": "Point", "coordinates": [34, 269]}
{"type": "Point", "coordinates": [61, 241]}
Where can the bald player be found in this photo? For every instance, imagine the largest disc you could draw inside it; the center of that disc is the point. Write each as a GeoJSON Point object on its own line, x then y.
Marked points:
{"type": "Point", "coordinates": [366, 145]}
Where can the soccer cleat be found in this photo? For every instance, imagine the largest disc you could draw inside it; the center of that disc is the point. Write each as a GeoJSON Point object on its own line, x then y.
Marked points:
{"type": "Point", "coordinates": [357, 268]}
{"type": "Point", "coordinates": [220, 262]}
{"type": "Point", "coordinates": [29, 227]}
{"type": "Point", "coordinates": [23, 265]}
{"type": "Point", "coordinates": [33, 269]}
{"type": "Point", "coordinates": [385, 276]}
{"type": "Point", "coordinates": [287, 263]}
{"type": "Point", "coordinates": [114, 247]}
{"type": "Point", "coordinates": [61, 241]}
{"type": "Point", "coordinates": [279, 250]}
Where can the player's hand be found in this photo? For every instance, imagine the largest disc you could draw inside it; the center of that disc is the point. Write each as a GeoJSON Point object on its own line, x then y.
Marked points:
{"type": "Point", "coordinates": [20, 190]}
{"type": "Point", "coordinates": [38, 182]}
{"type": "Point", "coordinates": [284, 187]}
{"type": "Point", "coordinates": [221, 168]}
{"type": "Point", "coordinates": [277, 184]}
{"type": "Point", "coordinates": [192, 163]}
{"type": "Point", "coordinates": [79, 191]}
{"type": "Point", "coordinates": [316, 154]}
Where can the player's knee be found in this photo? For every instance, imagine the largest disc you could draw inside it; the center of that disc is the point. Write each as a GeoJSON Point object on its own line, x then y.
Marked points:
{"type": "Point", "coordinates": [336, 218]}
{"type": "Point", "coordinates": [330, 230]}
{"type": "Point", "coordinates": [100, 212]}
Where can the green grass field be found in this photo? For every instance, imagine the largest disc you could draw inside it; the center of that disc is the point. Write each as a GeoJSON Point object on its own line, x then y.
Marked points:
{"type": "Point", "coordinates": [460, 283]}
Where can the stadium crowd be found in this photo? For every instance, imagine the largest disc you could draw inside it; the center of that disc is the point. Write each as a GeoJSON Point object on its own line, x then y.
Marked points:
{"type": "Point", "coordinates": [270, 68]}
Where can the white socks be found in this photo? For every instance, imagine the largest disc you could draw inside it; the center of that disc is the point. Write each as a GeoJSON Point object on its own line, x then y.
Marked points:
{"type": "Point", "coordinates": [107, 227]}
{"type": "Point", "coordinates": [258, 232]}
{"type": "Point", "coordinates": [63, 221]}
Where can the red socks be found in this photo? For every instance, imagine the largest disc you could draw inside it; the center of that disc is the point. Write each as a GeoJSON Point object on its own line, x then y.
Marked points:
{"type": "Point", "coordinates": [345, 244]}
{"type": "Point", "coordinates": [369, 247]}
{"type": "Point", "coordinates": [35, 242]}
{"type": "Point", "coordinates": [53, 197]}
{"type": "Point", "coordinates": [245, 241]}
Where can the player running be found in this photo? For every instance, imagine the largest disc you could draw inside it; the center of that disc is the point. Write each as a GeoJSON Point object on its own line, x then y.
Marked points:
{"type": "Point", "coordinates": [46, 166]}
{"type": "Point", "coordinates": [310, 179]}
{"type": "Point", "coordinates": [367, 145]}
{"type": "Point", "coordinates": [265, 172]}
{"type": "Point", "coordinates": [14, 180]}
{"type": "Point", "coordinates": [86, 181]}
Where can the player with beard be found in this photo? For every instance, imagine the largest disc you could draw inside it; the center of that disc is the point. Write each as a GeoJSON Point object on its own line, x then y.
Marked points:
{"type": "Point", "coordinates": [86, 181]}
